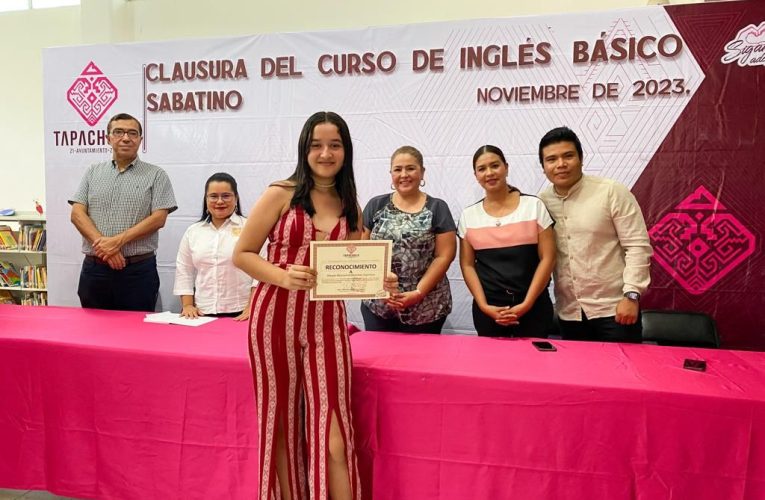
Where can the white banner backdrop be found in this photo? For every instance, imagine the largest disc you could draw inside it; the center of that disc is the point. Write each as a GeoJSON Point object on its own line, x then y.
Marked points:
{"type": "Point", "coordinates": [619, 78]}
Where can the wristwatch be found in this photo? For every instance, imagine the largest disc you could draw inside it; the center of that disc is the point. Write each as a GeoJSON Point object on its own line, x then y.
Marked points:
{"type": "Point", "coordinates": [633, 296]}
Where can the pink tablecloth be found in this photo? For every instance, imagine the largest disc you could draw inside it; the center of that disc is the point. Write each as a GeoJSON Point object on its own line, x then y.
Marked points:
{"type": "Point", "coordinates": [97, 404]}
{"type": "Point", "coordinates": [455, 418]}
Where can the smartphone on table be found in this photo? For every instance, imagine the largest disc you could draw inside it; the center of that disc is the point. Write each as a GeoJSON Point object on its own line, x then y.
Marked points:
{"type": "Point", "coordinates": [543, 345]}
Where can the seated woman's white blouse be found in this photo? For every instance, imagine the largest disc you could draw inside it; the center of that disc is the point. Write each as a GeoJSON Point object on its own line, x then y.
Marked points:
{"type": "Point", "coordinates": [205, 270]}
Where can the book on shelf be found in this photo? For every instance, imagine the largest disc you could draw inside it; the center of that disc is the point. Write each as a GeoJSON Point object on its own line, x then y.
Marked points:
{"type": "Point", "coordinates": [6, 297]}
{"type": "Point", "coordinates": [41, 246]}
{"type": "Point", "coordinates": [8, 238]}
{"type": "Point", "coordinates": [9, 275]}
{"type": "Point", "coordinates": [32, 237]}
{"type": "Point", "coordinates": [35, 299]}
{"type": "Point", "coordinates": [34, 277]}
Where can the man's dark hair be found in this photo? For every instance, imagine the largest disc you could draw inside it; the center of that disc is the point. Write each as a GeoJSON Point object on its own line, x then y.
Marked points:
{"type": "Point", "coordinates": [560, 134]}
{"type": "Point", "coordinates": [123, 116]}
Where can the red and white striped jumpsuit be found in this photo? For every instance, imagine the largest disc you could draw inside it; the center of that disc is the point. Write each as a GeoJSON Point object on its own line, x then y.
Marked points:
{"type": "Point", "coordinates": [301, 359]}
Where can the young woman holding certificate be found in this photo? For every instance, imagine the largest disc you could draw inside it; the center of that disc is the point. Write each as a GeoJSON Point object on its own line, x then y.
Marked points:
{"type": "Point", "coordinates": [424, 245]}
{"type": "Point", "coordinates": [300, 347]}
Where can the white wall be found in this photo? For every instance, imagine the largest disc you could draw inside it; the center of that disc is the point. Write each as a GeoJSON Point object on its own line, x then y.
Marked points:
{"type": "Point", "coordinates": [24, 34]}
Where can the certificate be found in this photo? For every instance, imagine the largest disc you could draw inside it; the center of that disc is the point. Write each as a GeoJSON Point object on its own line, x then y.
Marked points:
{"type": "Point", "coordinates": [350, 269]}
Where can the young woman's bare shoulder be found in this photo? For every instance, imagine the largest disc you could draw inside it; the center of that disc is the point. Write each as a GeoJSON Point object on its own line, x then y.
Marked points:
{"type": "Point", "coordinates": [279, 191]}
{"type": "Point", "coordinates": [286, 184]}
{"type": "Point", "coordinates": [275, 198]}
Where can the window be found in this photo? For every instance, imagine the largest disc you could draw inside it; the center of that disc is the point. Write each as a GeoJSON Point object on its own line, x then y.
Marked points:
{"type": "Point", "coordinates": [9, 5]}
{"type": "Point", "coordinates": [45, 4]}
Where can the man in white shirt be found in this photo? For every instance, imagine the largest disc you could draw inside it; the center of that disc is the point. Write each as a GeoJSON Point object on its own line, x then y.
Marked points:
{"type": "Point", "coordinates": [603, 261]}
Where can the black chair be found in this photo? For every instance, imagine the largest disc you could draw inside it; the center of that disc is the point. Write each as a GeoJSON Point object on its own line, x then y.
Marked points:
{"type": "Point", "coordinates": [679, 328]}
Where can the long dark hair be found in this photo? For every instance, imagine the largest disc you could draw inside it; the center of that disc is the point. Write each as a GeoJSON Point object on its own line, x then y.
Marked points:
{"type": "Point", "coordinates": [345, 183]}
{"type": "Point", "coordinates": [221, 177]}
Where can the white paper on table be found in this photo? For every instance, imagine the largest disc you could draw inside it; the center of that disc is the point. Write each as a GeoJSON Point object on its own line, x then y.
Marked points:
{"type": "Point", "coordinates": [172, 318]}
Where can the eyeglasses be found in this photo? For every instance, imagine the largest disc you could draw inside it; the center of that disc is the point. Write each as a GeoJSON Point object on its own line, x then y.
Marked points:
{"type": "Point", "coordinates": [132, 134]}
{"type": "Point", "coordinates": [225, 197]}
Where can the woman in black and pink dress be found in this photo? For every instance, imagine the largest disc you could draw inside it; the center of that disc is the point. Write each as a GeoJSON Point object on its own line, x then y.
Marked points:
{"type": "Point", "coordinates": [507, 254]}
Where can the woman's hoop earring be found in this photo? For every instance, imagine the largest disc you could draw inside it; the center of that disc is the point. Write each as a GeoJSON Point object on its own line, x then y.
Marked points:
{"type": "Point", "coordinates": [392, 187]}
{"type": "Point", "coordinates": [422, 183]}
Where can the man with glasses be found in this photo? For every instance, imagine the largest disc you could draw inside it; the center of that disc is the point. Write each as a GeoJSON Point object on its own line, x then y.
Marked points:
{"type": "Point", "coordinates": [118, 209]}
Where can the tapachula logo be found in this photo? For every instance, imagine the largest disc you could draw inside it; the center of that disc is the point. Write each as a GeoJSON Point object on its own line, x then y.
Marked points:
{"type": "Point", "coordinates": [748, 48]}
{"type": "Point", "coordinates": [92, 94]}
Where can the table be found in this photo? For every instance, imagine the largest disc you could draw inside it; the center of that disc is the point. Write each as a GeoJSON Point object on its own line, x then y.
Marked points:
{"type": "Point", "coordinates": [454, 418]}
{"type": "Point", "coordinates": [98, 404]}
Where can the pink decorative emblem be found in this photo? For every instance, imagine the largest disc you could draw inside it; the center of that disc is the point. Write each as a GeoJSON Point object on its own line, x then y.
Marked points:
{"type": "Point", "coordinates": [351, 248]}
{"type": "Point", "coordinates": [748, 48]}
{"type": "Point", "coordinates": [700, 242]}
{"type": "Point", "coordinates": [92, 94]}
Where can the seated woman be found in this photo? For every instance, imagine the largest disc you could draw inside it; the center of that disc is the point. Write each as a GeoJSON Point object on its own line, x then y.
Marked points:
{"type": "Point", "coordinates": [507, 253]}
{"type": "Point", "coordinates": [205, 276]}
{"type": "Point", "coordinates": [424, 245]}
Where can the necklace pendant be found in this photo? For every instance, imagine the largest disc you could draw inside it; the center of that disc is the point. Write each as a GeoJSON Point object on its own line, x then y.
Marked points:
{"type": "Point", "coordinates": [498, 223]}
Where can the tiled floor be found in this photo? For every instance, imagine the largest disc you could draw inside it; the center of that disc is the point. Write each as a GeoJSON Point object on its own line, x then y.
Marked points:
{"type": "Point", "coordinates": [29, 495]}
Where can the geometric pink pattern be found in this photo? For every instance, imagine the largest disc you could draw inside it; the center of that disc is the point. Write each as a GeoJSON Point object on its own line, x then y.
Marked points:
{"type": "Point", "coordinates": [92, 94]}
{"type": "Point", "coordinates": [700, 242]}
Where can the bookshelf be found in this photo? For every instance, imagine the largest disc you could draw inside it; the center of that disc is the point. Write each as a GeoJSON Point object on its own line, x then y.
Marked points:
{"type": "Point", "coordinates": [23, 259]}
